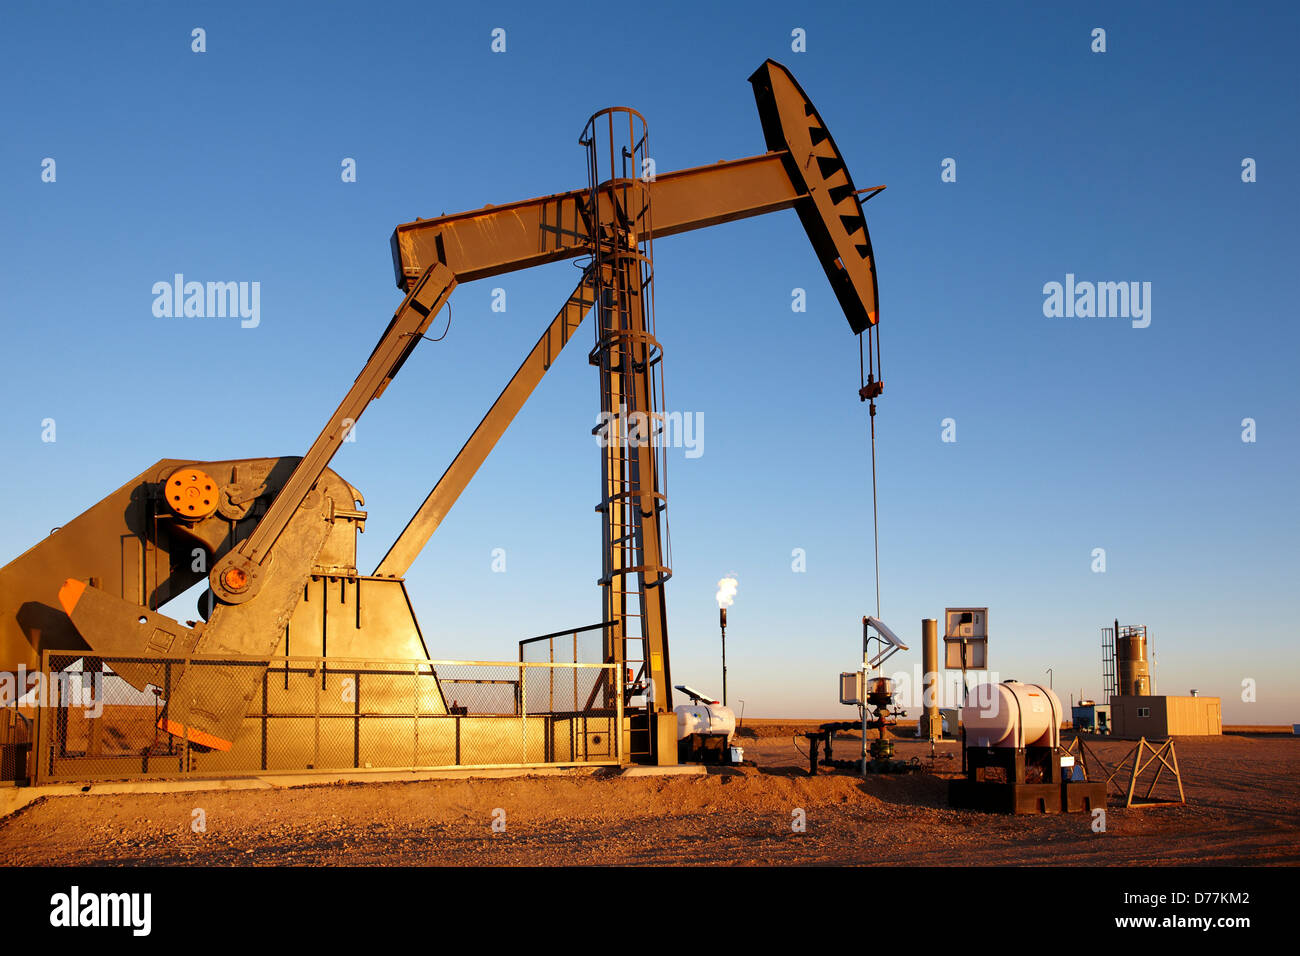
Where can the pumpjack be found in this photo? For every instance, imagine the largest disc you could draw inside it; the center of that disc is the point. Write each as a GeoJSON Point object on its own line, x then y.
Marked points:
{"type": "Point", "coordinates": [275, 538]}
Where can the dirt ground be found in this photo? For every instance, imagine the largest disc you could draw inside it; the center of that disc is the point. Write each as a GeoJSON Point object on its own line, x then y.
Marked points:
{"type": "Point", "coordinates": [1243, 808]}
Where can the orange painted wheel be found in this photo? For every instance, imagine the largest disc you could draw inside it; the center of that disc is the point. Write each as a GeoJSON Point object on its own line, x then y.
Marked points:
{"type": "Point", "coordinates": [191, 493]}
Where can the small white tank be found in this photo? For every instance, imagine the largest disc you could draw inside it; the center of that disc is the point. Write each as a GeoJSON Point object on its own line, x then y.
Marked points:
{"type": "Point", "coordinates": [1012, 714]}
{"type": "Point", "coordinates": [700, 718]}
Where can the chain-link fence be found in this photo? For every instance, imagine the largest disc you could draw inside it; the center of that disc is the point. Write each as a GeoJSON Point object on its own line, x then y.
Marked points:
{"type": "Point", "coordinates": [116, 717]}
{"type": "Point", "coordinates": [15, 737]}
{"type": "Point", "coordinates": [580, 645]}
{"type": "Point", "coordinates": [565, 688]}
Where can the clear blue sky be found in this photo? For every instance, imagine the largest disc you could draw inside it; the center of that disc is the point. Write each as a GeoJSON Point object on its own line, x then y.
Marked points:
{"type": "Point", "coordinates": [1072, 434]}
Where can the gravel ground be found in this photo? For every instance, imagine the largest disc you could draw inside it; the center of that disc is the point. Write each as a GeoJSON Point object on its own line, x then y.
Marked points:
{"type": "Point", "coordinates": [1243, 808]}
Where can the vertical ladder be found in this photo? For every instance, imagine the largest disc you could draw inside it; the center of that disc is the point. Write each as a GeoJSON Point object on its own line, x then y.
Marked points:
{"type": "Point", "coordinates": [1109, 681]}
{"type": "Point", "coordinates": [629, 360]}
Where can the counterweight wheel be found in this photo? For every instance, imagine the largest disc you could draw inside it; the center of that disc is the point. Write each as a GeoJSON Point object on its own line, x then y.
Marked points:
{"type": "Point", "coordinates": [191, 493]}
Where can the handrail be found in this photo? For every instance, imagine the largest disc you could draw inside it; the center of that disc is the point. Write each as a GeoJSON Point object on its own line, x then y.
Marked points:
{"type": "Point", "coordinates": [330, 663]}
{"type": "Point", "coordinates": [564, 633]}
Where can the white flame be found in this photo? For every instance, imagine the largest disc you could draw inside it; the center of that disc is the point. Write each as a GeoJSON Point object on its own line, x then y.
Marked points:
{"type": "Point", "coordinates": [727, 591]}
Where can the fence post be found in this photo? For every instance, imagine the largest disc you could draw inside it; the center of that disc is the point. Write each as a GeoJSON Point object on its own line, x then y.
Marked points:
{"type": "Point", "coordinates": [315, 753]}
{"type": "Point", "coordinates": [184, 723]}
{"type": "Point", "coordinates": [266, 676]}
{"type": "Point", "coordinates": [356, 713]}
{"type": "Point", "coordinates": [38, 726]}
{"type": "Point", "coordinates": [617, 680]}
{"type": "Point", "coordinates": [415, 747]}
{"type": "Point", "coordinates": [167, 695]}
{"type": "Point", "coordinates": [523, 710]}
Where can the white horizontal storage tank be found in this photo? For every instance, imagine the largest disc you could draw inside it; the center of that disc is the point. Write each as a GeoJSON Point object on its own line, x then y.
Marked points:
{"type": "Point", "coordinates": [708, 719]}
{"type": "Point", "coordinates": [1012, 714]}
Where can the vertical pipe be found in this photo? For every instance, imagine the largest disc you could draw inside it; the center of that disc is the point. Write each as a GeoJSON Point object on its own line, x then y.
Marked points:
{"type": "Point", "coordinates": [722, 621]}
{"type": "Point", "coordinates": [931, 723]}
{"type": "Point", "coordinates": [862, 705]}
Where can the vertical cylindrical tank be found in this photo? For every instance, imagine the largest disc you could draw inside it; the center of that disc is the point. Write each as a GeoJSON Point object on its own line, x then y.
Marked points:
{"type": "Point", "coordinates": [931, 726]}
{"type": "Point", "coordinates": [1131, 663]}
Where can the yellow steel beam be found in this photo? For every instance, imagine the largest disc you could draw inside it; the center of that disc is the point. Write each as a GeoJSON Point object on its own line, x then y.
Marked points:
{"type": "Point", "coordinates": [425, 521]}
{"type": "Point", "coordinates": [498, 239]}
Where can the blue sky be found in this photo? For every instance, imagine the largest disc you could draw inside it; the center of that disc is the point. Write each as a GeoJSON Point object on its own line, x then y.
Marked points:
{"type": "Point", "coordinates": [1072, 434]}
